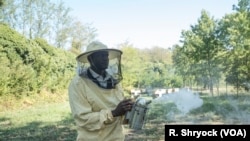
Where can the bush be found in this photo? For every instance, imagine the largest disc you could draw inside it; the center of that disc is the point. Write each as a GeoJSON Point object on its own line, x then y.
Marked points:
{"type": "Point", "coordinates": [29, 66]}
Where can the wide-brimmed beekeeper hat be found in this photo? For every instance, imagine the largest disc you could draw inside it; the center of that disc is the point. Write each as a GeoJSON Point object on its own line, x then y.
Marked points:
{"type": "Point", "coordinates": [97, 46]}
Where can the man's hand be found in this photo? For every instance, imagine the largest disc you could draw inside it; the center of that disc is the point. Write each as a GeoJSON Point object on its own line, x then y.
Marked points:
{"type": "Point", "coordinates": [123, 107]}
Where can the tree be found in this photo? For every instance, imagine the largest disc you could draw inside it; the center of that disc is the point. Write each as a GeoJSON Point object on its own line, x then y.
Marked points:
{"type": "Point", "coordinates": [62, 25]}
{"type": "Point", "coordinates": [81, 36]}
{"type": "Point", "coordinates": [1, 2]}
{"type": "Point", "coordinates": [235, 34]}
{"type": "Point", "coordinates": [32, 18]}
{"type": "Point", "coordinates": [201, 48]}
{"type": "Point", "coordinates": [131, 65]}
{"type": "Point", "coordinates": [181, 64]}
{"type": "Point", "coordinates": [44, 19]}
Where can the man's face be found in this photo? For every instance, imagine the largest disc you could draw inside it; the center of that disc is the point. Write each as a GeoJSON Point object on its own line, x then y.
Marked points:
{"type": "Point", "coordinates": [100, 59]}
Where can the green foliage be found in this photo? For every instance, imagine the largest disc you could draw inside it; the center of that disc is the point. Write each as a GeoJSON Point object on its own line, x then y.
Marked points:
{"type": "Point", "coordinates": [160, 110]}
{"type": "Point", "coordinates": [213, 49]}
{"type": "Point", "coordinates": [235, 33]}
{"type": "Point", "coordinates": [30, 66]}
{"type": "Point", "coordinates": [56, 68]}
{"type": "Point", "coordinates": [147, 68]}
{"type": "Point", "coordinates": [49, 20]}
{"type": "Point", "coordinates": [206, 107]}
{"type": "Point", "coordinates": [200, 49]}
{"type": "Point", "coordinates": [1, 2]}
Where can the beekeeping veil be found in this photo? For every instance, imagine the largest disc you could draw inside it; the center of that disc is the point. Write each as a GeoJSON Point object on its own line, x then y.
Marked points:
{"type": "Point", "coordinates": [114, 67]}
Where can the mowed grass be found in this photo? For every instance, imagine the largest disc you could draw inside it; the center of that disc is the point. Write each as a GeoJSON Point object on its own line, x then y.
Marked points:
{"type": "Point", "coordinates": [53, 121]}
{"type": "Point", "coordinates": [49, 122]}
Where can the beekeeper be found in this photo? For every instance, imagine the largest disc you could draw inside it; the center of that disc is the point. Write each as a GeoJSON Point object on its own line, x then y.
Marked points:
{"type": "Point", "coordinates": [95, 95]}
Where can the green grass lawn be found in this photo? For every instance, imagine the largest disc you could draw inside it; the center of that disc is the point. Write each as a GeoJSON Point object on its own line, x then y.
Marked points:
{"type": "Point", "coordinates": [50, 122]}
{"type": "Point", "coordinates": [53, 121]}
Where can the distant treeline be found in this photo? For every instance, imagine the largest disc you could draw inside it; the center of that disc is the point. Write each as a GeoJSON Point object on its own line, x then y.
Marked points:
{"type": "Point", "coordinates": [33, 66]}
{"type": "Point", "coordinates": [213, 52]}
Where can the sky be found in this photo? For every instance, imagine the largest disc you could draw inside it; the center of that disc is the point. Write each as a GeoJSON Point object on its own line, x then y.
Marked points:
{"type": "Point", "coordinates": [144, 23]}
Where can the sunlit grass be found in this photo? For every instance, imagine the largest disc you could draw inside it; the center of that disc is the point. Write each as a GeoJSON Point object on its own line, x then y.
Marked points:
{"type": "Point", "coordinates": [52, 121]}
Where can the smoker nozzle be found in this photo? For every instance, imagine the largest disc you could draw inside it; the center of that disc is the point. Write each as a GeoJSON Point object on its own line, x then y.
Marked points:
{"type": "Point", "coordinates": [142, 101]}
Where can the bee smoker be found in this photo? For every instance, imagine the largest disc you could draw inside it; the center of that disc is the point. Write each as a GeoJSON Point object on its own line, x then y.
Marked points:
{"type": "Point", "coordinates": [136, 117]}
